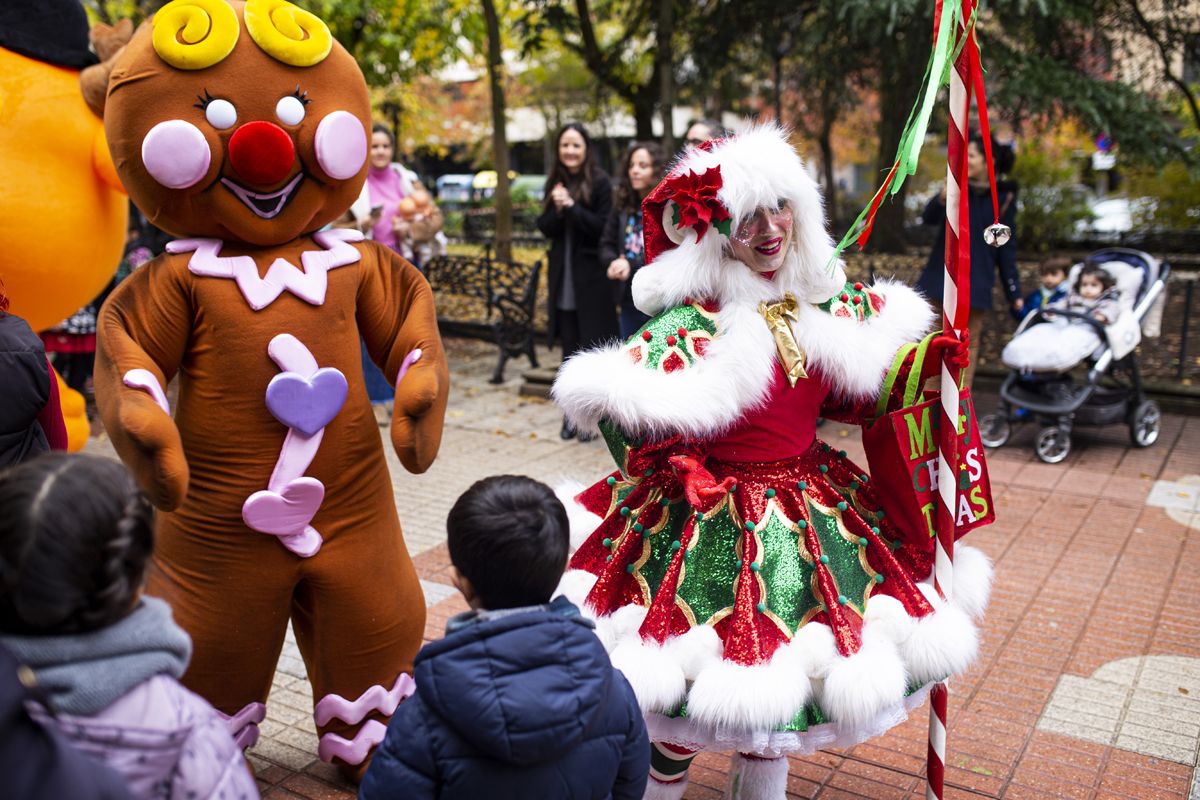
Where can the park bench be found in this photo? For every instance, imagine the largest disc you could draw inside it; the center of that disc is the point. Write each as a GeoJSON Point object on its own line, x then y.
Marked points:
{"type": "Point", "coordinates": [489, 298]}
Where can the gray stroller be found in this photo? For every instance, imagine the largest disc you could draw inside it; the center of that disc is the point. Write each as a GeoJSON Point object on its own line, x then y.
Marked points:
{"type": "Point", "coordinates": [1056, 400]}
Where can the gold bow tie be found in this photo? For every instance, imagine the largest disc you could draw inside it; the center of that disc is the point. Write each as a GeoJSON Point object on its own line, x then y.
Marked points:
{"type": "Point", "coordinates": [790, 354]}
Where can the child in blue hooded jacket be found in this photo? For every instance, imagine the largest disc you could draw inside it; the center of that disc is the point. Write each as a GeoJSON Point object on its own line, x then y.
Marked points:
{"type": "Point", "coordinates": [519, 700]}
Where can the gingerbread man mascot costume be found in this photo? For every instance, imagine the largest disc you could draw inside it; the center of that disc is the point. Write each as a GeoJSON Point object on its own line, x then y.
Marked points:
{"type": "Point", "coordinates": [243, 127]}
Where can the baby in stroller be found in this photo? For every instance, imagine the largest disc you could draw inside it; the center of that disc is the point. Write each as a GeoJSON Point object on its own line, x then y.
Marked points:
{"type": "Point", "coordinates": [1063, 341]}
{"type": "Point", "coordinates": [1116, 297]}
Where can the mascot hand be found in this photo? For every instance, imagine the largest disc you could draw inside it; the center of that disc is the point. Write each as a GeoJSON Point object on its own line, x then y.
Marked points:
{"type": "Point", "coordinates": [702, 490]}
{"type": "Point", "coordinates": [417, 433]}
{"type": "Point", "coordinates": [161, 468]}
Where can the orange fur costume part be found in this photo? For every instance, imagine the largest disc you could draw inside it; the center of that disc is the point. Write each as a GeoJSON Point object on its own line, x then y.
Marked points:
{"type": "Point", "coordinates": [229, 125]}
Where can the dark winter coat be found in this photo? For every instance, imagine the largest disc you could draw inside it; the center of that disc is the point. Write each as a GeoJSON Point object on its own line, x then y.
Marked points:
{"type": "Point", "coordinates": [986, 260]}
{"type": "Point", "coordinates": [612, 247]}
{"type": "Point", "coordinates": [577, 229]}
{"type": "Point", "coordinates": [36, 763]}
{"type": "Point", "coordinates": [514, 706]}
{"type": "Point", "coordinates": [24, 391]}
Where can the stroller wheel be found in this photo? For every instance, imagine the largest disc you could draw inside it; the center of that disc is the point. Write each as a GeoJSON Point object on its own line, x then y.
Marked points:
{"type": "Point", "coordinates": [1053, 444]}
{"type": "Point", "coordinates": [994, 430]}
{"type": "Point", "coordinates": [1144, 423]}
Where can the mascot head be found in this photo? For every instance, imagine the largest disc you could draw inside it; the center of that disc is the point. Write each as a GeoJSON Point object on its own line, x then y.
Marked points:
{"type": "Point", "coordinates": [238, 121]}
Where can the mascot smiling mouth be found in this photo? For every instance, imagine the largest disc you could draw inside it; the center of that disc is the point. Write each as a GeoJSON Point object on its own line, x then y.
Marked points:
{"type": "Point", "coordinates": [265, 204]}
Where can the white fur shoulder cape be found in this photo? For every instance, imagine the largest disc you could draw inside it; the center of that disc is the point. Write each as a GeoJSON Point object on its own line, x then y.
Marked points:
{"type": "Point", "coordinates": [852, 351]}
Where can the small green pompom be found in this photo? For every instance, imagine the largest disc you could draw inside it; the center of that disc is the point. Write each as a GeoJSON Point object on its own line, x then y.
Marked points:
{"type": "Point", "coordinates": [762, 608]}
{"type": "Point", "coordinates": [675, 545]}
{"type": "Point", "coordinates": [629, 569]}
{"type": "Point", "coordinates": [625, 511]}
{"type": "Point", "coordinates": [749, 525]}
{"type": "Point", "coordinates": [824, 559]}
{"type": "Point", "coordinates": [770, 493]}
{"type": "Point", "coordinates": [754, 566]}
{"type": "Point", "coordinates": [607, 542]}
{"type": "Point", "coordinates": [638, 527]}
{"type": "Point", "coordinates": [802, 485]}
{"type": "Point", "coordinates": [842, 506]}
{"type": "Point", "coordinates": [862, 541]}
{"type": "Point", "coordinates": [824, 468]}
{"type": "Point", "coordinates": [611, 481]}
{"type": "Point", "coordinates": [842, 600]}
{"type": "Point", "coordinates": [879, 577]}
{"type": "Point", "coordinates": [803, 524]}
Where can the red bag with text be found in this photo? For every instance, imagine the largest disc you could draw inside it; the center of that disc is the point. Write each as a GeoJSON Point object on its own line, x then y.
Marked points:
{"type": "Point", "coordinates": [902, 455]}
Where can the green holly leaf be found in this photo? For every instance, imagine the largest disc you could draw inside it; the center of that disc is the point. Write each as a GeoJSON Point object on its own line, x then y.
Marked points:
{"type": "Point", "coordinates": [724, 227]}
{"type": "Point", "coordinates": [675, 214]}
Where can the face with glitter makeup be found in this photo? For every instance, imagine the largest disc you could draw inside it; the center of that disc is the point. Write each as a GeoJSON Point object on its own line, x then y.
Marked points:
{"type": "Point", "coordinates": [762, 241]}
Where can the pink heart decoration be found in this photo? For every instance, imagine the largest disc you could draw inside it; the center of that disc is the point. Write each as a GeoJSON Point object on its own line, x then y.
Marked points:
{"type": "Point", "coordinates": [286, 512]}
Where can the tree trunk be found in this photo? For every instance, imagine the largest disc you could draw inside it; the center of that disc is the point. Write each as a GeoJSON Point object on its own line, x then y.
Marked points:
{"type": "Point", "coordinates": [898, 80]}
{"type": "Point", "coordinates": [825, 141]}
{"type": "Point", "coordinates": [643, 114]}
{"type": "Point", "coordinates": [499, 136]}
{"type": "Point", "coordinates": [664, 58]}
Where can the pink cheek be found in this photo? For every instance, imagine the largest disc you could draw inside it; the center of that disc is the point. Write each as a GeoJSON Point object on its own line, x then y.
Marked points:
{"type": "Point", "coordinates": [341, 145]}
{"type": "Point", "coordinates": [176, 154]}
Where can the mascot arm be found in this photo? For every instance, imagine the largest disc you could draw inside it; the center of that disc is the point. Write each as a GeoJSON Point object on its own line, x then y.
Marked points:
{"type": "Point", "coordinates": [396, 318]}
{"type": "Point", "coordinates": [142, 332]}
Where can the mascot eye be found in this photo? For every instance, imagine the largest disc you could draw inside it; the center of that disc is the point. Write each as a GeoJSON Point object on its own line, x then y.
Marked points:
{"type": "Point", "coordinates": [290, 110]}
{"type": "Point", "coordinates": [220, 114]}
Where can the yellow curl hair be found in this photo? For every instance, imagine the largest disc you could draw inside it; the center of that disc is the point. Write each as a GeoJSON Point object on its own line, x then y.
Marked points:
{"type": "Point", "coordinates": [195, 34]}
{"type": "Point", "coordinates": [287, 33]}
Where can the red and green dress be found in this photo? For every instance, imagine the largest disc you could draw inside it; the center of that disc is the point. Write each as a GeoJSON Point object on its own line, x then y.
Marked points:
{"type": "Point", "coordinates": [743, 574]}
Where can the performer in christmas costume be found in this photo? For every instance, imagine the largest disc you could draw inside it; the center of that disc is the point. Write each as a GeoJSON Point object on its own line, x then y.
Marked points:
{"type": "Point", "coordinates": [741, 571]}
{"type": "Point", "coordinates": [244, 126]}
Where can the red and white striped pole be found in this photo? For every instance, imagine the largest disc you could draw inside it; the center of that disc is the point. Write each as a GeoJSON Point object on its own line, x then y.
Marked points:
{"type": "Point", "coordinates": [956, 302]}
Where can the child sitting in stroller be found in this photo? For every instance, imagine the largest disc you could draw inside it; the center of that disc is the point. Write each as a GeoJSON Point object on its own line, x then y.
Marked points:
{"type": "Point", "coordinates": [1064, 341]}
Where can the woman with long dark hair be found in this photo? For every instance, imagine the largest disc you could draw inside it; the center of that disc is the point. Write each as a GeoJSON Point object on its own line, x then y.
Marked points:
{"type": "Point", "coordinates": [578, 202]}
{"type": "Point", "coordinates": [621, 248]}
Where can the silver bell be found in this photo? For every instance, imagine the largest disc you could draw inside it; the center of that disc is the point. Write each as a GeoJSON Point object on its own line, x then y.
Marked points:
{"type": "Point", "coordinates": [997, 235]}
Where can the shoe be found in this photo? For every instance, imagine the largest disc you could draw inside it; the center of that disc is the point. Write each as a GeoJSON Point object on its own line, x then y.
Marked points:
{"type": "Point", "coordinates": [568, 431]}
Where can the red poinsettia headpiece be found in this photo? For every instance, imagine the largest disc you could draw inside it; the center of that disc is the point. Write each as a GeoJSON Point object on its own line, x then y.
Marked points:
{"type": "Point", "coordinates": [684, 200]}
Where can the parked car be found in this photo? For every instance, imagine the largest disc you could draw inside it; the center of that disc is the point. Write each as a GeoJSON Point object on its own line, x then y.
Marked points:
{"type": "Point", "coordinates": [529, 189]}
{"type": "Point", "coordinates": [455, 190]}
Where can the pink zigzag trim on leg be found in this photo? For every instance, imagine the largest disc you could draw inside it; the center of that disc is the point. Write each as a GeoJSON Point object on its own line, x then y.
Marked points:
{"type": "Point", "coordinates": [308, 284]}
{"type": "Point", "coordinates": [376, 698]}
{"type": "Point", "coordinates": [352, 751]}
{"type": "Point", "coordinates": [145, 380]}
{"type": "Point", "coordinates": [243, 726]}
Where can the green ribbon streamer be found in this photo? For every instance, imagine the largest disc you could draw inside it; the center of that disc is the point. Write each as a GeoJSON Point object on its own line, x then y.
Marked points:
{"type": "Point", "coordinates": [947, 46]}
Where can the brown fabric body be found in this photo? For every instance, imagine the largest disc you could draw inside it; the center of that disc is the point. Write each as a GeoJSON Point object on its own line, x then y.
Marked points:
{"type": "Point", "coordinates": [356, 605]}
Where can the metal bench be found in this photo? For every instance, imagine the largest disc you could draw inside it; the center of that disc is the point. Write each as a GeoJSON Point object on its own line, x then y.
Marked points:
{"type": "Point", "coordinates": [488, 298]}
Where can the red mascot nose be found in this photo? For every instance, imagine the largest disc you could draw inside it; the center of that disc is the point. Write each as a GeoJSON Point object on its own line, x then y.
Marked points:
{"type": "Point", "coordinates": [261, 152]}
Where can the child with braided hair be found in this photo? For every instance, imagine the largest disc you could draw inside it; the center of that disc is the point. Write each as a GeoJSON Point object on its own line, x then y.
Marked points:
{"type": "Point", "coordinates": [75, 537]}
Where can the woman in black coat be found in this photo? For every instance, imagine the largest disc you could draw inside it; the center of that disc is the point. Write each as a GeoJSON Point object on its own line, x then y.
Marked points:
{"type": "Point", "coordinates": [622, 249]}
{"type": "Point", "coordinates": [578, 202]}
{"type": "Point", "coordinates": [986, 261]}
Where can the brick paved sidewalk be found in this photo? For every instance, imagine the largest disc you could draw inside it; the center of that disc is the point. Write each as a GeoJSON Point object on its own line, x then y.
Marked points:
{"type": "Point", "coordinates": [1088, 684]}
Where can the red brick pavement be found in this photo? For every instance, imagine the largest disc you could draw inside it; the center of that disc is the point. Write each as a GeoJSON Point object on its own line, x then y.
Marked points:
{"type": "Point", "coordinates": [1086, 574]}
